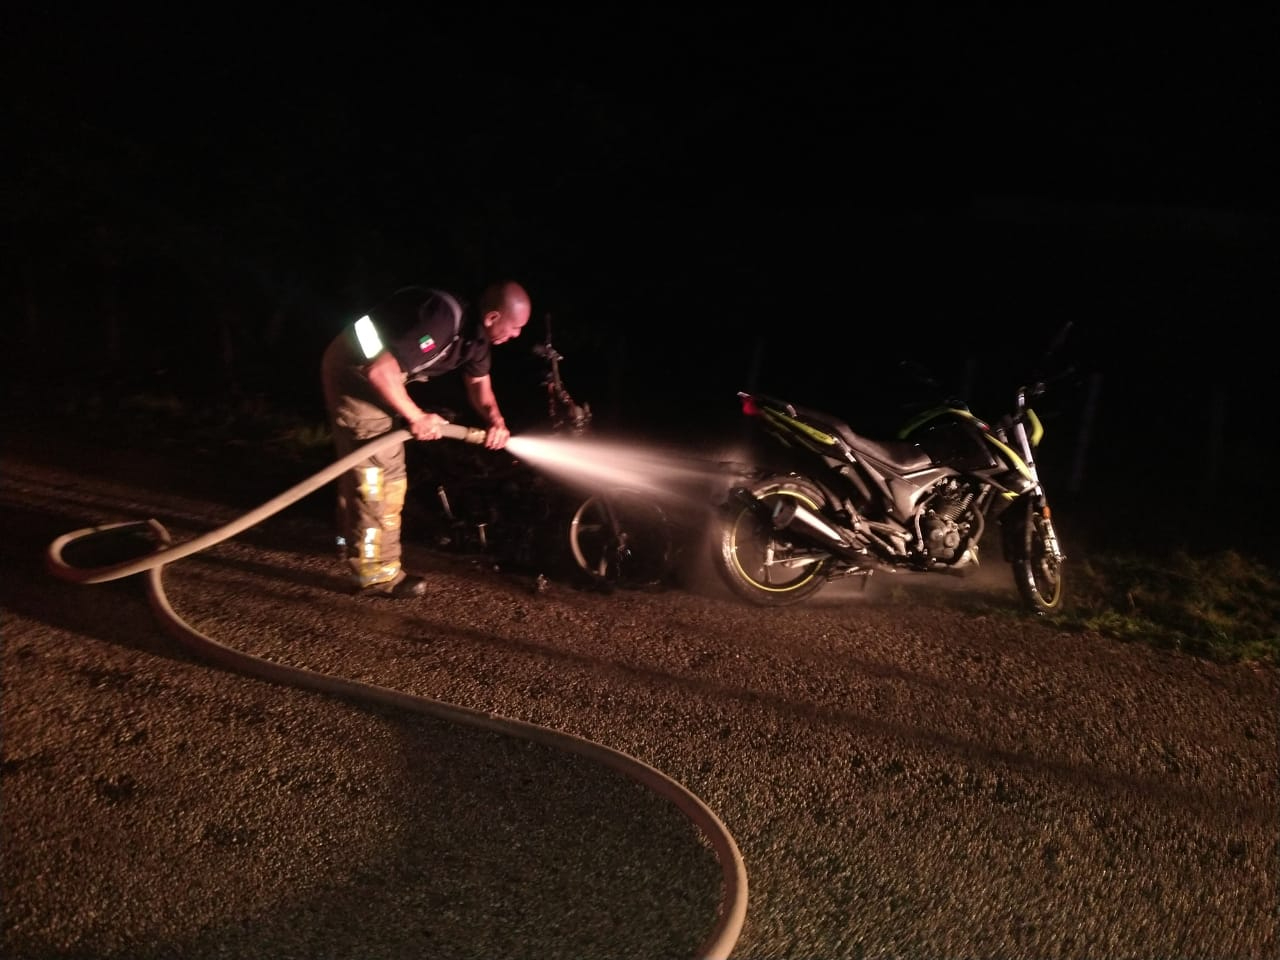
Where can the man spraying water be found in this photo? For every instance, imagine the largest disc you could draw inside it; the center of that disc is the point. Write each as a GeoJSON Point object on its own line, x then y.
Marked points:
{"type": "Point", "coordinates": [416, 334]}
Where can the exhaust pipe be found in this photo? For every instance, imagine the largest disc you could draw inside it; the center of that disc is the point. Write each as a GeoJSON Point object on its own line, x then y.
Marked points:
{"type": "Point", "coordinates": [788, 513]}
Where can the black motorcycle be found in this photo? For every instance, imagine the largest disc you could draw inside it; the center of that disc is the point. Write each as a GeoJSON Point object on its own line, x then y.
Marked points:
{"type": "Point", "coordinates": [839, 504]}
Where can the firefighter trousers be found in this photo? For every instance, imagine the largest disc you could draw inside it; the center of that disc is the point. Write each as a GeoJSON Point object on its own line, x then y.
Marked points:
{"type": "Point", "coordinates": [370, 495]}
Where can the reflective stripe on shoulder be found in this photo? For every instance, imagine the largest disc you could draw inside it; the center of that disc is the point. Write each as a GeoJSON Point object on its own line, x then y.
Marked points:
{"type": "Point", "coordinates": [367, 334]}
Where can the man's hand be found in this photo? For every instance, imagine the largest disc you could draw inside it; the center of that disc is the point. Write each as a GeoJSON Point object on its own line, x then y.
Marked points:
{"type": "Point", "coordinates": [427, 427]}
{"type": "Point", "coordinates": [496, 436]}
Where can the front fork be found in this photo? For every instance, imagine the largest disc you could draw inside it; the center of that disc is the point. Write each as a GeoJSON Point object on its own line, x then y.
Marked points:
{"type": "Point", "coordinates": [1051, 545]}
{"type": "Point", "coordinates": [1039, 499]}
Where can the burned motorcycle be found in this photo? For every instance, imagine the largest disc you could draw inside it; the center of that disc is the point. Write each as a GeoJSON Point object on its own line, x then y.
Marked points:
{"type": "Point", "coordinates": [495, 506]}
{"type": "Point", "coordinates": [842, 504]}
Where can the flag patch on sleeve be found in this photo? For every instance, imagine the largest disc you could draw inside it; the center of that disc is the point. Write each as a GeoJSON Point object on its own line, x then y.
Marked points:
{"type": "Point", "coordinates": [426, 344]}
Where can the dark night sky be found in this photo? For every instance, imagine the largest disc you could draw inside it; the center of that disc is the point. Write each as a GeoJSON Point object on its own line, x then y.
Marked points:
{"type": "Point", "coordinates": [692, 195]}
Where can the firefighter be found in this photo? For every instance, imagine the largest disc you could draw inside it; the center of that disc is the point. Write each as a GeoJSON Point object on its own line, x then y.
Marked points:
{"type": "Point", "coordinates": [416, 334]}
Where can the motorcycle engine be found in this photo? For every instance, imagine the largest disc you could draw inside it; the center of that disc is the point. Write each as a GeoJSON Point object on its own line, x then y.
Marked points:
{"type": "Point", "coordinates": [947, 524]}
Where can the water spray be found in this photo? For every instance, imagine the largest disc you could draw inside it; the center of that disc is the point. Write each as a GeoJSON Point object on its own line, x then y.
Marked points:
{"type": "Point", "coordinates": [590, 464]}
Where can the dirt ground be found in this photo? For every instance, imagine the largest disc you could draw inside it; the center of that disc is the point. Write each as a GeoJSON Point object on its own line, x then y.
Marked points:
{"type": "Point", "coordinates": [904, 772]}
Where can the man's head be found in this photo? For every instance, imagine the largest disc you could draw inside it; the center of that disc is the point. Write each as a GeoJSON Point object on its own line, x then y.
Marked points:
{"type": "Point", "coordinates": [504, 310]}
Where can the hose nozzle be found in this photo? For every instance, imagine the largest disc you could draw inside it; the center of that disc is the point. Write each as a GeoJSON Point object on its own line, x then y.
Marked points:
{"type": "Point", "coordinates": [455, 431]}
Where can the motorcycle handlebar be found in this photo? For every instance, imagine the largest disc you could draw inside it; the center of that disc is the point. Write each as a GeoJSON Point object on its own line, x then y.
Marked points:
{"type": "Point", "coordinates": [1042, 383]}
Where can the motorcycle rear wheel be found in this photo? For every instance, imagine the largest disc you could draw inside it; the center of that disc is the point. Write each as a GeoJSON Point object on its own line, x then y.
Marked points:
{"type": "Point", "coordinates": [1036, 570]}
{"type": "Point", "coordinates": [765, 566]}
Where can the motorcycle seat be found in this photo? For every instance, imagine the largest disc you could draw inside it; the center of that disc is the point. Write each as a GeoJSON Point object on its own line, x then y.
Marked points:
{"type": "Point", "coordinates": [903, 454]}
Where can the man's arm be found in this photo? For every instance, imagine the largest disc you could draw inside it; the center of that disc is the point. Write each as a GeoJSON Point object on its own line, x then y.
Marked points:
{"type": "Point", "coordinates": [386, 377]}
{"type": "Point", "coordinates": [480, 392]}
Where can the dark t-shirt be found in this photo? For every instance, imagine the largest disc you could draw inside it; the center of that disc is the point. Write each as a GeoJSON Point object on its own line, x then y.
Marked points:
{"type": "Point", "coordinates": [430, 333]}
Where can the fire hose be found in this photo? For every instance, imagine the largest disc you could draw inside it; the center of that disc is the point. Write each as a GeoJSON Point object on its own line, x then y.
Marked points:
{"type": "Point", "coordinates": [733, 905]}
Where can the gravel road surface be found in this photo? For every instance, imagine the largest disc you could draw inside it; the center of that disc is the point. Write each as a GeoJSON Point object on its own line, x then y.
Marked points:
{"type": "Point", "coordinates": [904, 774]}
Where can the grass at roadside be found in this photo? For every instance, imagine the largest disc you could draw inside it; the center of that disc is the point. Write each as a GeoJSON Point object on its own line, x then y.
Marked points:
{"type": "Point", "coordinates": [250, 422]}
{"type": "Point", "coordinates": [1222, 605]}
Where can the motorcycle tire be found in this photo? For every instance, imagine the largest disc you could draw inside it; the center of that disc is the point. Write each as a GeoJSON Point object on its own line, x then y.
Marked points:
{"type": "Point", "coordinates": [761, 564]}
{"type": "Point", "coordinates": [1036, 571]}
{"type": "Point", "coordinates": [621, 538]}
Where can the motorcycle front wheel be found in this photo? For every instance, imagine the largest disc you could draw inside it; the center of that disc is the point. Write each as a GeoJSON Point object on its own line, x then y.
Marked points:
{"type": "Point", "coordinates": [621, 538]}
{"type": "Point", "coordinates": [1037, 569]}
{"type": "Point", "coordinates": [764, 565]}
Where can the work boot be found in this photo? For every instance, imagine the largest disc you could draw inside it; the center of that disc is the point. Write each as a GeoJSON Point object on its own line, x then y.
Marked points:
{"type": "Point", "coordinates": [403, 587]}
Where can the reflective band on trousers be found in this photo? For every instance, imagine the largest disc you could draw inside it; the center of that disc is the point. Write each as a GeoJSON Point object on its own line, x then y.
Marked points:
{"type": "Point", "coordinates": [384, 502]}
{"type": "Point", "coordinates": [371, 484]}
{"type": "Point", "coordinates": [370, 574]}
{"type": "Point", "coordinates": [393, 494]}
